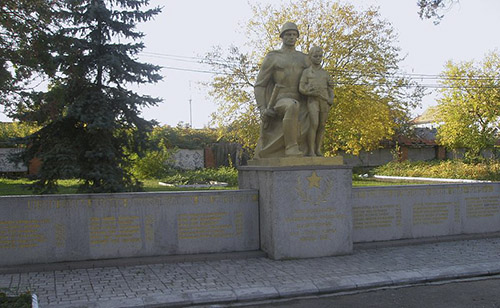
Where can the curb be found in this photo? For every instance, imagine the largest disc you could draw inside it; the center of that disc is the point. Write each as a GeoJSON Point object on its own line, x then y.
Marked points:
{"type": "Point", "coordinates": [34, 301]}
{"type": "Point", "coordinates": [417, 179]}
{"type": "Point", "coordinates": [316, 287]}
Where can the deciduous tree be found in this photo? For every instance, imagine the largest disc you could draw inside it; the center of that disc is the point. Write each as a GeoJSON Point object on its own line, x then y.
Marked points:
{"type": "Point", "coordinates": [469, 107]}
{"type": "Point", "coordinates": [372, 100]}
{"type": "Point", "coordinates": [433, 9]}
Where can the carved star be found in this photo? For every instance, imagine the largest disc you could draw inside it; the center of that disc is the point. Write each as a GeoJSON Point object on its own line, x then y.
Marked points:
{"type": "Point", "coordinates": [314, 180]}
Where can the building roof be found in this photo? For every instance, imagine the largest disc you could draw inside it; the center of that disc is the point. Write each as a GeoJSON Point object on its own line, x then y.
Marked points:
{"type": "Point", "coordinates": [428, 116]}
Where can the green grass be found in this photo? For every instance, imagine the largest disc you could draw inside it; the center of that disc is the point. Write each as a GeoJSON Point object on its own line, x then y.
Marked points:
{"type": "Point", "coordinates": [10, 187]}
{"type": "Point", "coordinates": [373, 182]}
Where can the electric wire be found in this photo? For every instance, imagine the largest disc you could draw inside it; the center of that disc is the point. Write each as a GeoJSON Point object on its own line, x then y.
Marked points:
{"type": "Point", "coordinates": [414, 80]}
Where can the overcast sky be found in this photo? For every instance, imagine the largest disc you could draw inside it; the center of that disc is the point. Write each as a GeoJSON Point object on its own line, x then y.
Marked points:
{"type": "Point", "coordinates": [187, 29]}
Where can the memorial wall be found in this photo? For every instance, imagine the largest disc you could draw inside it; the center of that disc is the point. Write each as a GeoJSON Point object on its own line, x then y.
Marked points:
{"type": "Point", "coordinates": [54, 228]}
{"type": "Point", "coordinates": [405, 212]}
{"type": "Point", "coordinates": [81, 227]}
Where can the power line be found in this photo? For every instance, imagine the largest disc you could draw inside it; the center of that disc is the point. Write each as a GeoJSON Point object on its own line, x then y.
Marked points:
{"type": "Point", "coordinates": [198, 60]}
{"type": "Point", "coordinates": [410, 76]}
{"type": "Point", "coordinates": [169, 58]}
{"type": "Point", "coordinates": [168, 55]}
{"type": "Point", "coordinates": [192, 70]}
{"type": "Point", "coordinates": [429, 86]}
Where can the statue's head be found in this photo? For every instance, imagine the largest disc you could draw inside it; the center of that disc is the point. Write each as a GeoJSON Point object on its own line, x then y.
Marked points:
{"type": "Point", "coordinates": [316, 55]}
{"type": "Point", "coordinates": [289, 34]}
{"type": "Point", "coordinates": [289, 26]}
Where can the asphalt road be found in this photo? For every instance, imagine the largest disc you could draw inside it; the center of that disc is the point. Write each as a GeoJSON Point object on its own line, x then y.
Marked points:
{"type": "Point", "coordinates": [456, 294]}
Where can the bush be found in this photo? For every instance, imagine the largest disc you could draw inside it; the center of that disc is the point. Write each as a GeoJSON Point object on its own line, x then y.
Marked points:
{"type": "Point", "coordinates": [451, 169]}
{"type": "Point", "coordinates": [20, 301]}
{"type": "Point", "coordinates": [152, 165]}
{"type": "Point", "coordinates": [183, 137]}
{"type": "Point", "coordinates": [160, 144]}
{"type": "Point", "coordinates": [201, 176]}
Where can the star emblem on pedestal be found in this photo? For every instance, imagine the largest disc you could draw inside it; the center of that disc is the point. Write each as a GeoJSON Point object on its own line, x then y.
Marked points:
{"type": "Point", "coordinates": [314, 180]}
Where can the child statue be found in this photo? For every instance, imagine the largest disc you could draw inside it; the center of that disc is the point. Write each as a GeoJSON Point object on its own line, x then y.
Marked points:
{"type": "Point", "coordinates": [316, 84]}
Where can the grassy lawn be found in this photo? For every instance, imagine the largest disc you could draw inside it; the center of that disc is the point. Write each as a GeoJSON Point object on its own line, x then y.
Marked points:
{"type": "Point", "coordinates": [9, 187]}
{"type": "Point", "coordinates": [373, 182]}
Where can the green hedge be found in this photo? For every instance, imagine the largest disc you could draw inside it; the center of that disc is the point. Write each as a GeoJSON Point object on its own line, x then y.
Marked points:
{"type": "Point", "coordinates": [449, 169]}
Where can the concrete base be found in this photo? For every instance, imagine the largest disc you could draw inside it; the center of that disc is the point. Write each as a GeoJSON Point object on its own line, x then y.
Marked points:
{"type": "Point", "coordinates": [297, 161]}
{"type": "Point", "coordinates": [305, 211]}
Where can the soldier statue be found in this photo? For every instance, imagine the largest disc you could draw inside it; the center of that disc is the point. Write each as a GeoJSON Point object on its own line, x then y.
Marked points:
{"type": "Point", "coordinates": [282, 107]}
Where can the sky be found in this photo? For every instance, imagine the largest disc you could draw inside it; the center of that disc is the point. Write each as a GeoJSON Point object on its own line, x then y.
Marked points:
{"type": "Point", "coordinates": [187, 29]}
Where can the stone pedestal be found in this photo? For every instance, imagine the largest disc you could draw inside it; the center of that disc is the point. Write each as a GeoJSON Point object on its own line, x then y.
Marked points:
{"type": "Point", "coordinates": [305, 211]}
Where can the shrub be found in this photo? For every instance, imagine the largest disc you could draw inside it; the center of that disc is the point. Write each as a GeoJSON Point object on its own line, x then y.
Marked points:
{"type": "Point", "coordinates": [200, 176]}
{"type": "Point", "coordinates": [20, 301]}
{"type": "Point", "coordinates": [183, 137]}
{"type": "Point", "coordinates": [452, 169]}
{"type": "Point", "coordinates": [161, 141]}
{"type": "Point", "coordinates": [152, 165]}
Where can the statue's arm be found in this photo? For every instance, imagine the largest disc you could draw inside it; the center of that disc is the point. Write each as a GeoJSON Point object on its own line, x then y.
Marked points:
{"type": "Point", "coordinates": [260, 98]}
{"type": "Point", "coordinates": [303, 85]}
{"type": "Point", "coordinates": [263, 79]}
{"type": "Point", "coordinates": [330, 90]}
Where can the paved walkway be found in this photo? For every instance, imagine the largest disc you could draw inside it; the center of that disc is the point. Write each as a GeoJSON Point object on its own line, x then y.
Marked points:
{"type": "Point", "coordinates": [219, 281]}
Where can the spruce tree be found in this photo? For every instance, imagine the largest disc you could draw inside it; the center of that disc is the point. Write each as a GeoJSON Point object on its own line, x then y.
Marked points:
{"type": "Point", "coordinates": [90, 120]}
{"type": "Point", "coordinates": [25, 27]}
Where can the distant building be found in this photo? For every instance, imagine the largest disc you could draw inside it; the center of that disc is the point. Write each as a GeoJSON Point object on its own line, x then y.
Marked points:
{"type": "Point", "coordinates": [428, 119]}
{"type": "Point", "coordinates": [422, 144]}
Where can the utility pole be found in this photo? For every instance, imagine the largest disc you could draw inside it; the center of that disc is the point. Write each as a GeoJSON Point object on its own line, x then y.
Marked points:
{"type": "Point", "coordinates": [190, 107]}
{"type": "Point", "coordinates": [190, 113]}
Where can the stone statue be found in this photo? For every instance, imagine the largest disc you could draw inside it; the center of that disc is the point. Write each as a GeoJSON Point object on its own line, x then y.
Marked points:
{"type": "Point", "coordinates": [283, 108]}
{"type": "Point", "coordinates": [317, 85]}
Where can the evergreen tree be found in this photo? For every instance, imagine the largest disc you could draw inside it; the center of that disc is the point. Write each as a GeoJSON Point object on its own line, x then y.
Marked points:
{"type": "Point", "coordinates": [25, 26]}
{"type": "Point", "coordinates": [90, 121]}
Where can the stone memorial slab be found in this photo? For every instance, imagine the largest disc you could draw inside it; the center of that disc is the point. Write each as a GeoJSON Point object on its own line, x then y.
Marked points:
{"type": "Point", "coordinates": [304, 211]}
{"type": "Point", "coordinates": [404, 212]}
{"type": "Point", "coordinates": [57, 228]}
{"type": "Point", "coordinates": [480, 210]}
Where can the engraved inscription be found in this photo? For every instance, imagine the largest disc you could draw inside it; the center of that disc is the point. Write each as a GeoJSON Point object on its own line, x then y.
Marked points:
{"type": "Point", "coordinates": [22, 233]}
{"type": "Point", "coordinates": [209, 225]}
{"type": "Point", "coordinates": [431, 213]}
{"type": "Point", "coordinates": [114, 230]}
{"type": "Point", "coordinates": [315, 224]}
{"type": "Point", "coordinates": [60, 234]}
{"type": "Point", "coordinates": [149, 229]}
{"type": "Point", "coordinates": [382, 216]}
{"type": "Point", "coordinates": [370, 193]}
{"type": "Point", "coordinates": [482, 206]}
